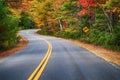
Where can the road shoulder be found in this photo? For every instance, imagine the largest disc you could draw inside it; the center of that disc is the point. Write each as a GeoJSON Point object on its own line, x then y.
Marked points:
{"type": "Point", "coordinates": [106, 54]}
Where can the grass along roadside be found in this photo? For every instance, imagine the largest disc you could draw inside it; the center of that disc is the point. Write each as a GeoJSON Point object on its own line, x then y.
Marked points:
{"type": "Point", "coordinates": [21, 44]}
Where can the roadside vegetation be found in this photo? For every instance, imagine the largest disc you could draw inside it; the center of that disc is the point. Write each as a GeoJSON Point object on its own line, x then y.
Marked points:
{"type": "Point", "coordinates": [8, 27]}
{"type": "Point", "coordinates": [91, 21]}
{"type": "Point", "coordinates": [12, 19]}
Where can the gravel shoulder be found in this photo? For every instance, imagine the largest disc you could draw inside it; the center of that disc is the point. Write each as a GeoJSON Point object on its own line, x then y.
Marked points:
{"type": "Point", "coordinates": [106, 54]}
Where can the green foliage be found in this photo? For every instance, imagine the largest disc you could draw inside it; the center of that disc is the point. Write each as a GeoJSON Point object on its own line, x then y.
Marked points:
{"type": "Point", "coordinates": [101, 38]}
{"type": "Point", "coordinates": [69, 6]}
{"type": "Point", "coordinates": [117, 36]}
{"type": "Point", "coordinates": [100, 21]}
{"type": "Point", "coordinates": [3, 11]}
{"type": "Point", "coordinates": [26, 22]}
{"type": "Point", "coordinates": [48, 30]}
{"type": "Point", "coordinates": [8, 28]}
{"type": "Point", "coordinates": [70, 32]}
{"type": "Point", "coordinates": [8, 35]}
{"type": "Point", "coordinates": [104, 39]}
{"type": "Point", "coordinates": [43, 32]}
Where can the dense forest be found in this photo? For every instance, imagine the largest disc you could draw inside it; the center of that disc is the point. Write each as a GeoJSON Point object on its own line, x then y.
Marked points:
{"type": "Point", "coordinates": [12, 19]}
{"type": "Point", "coordinates": [91, 21]}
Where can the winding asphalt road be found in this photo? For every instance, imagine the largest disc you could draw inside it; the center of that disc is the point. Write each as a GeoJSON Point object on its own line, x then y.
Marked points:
{"type": "Point", "coordinates": [66, 61]}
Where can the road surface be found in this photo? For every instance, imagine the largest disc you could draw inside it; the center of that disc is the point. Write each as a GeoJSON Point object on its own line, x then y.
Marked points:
{"type": "Point", "coordinates": [48, 58]}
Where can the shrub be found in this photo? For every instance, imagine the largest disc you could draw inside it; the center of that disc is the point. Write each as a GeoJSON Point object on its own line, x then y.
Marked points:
{"type": "Point", "coordinates": [8, 28]}
{"type": "Point", "coordinates": [26, 22]}
{"type": "Point", "coordinates": [70, 32]}
{"type": "Point", "coordinates": [105, 39]}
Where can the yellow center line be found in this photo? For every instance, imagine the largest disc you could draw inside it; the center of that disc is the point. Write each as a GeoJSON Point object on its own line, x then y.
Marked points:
{"type": "Point", "coordinates": [38, 71]}
{"type": "Point", "coordinates": [42, 68]}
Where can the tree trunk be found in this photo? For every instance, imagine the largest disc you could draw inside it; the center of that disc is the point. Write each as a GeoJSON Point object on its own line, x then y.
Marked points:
{"type": "Point", "coordinates": [61, 27]}
{"type": "Point", "coordinates": [109, 20]}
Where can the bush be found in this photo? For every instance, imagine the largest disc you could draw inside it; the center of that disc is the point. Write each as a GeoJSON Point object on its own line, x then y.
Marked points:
{"type": "Point", "coordinates": [26, 22]}
{"type": "Point", "coordinates": [104, 39]}
{"type": "Point", "coordinates": [9, 31]}
{"type": "Point", "coordinates": [70, 32]}
{"type": "Point", "coordinates": [100, 38]}
{"type": "Point", "coordinates": [43, 32]}
{"type": "Point", "coordinates": [116, 32]}
{"type": "Point", "coordinates": [8, 28]}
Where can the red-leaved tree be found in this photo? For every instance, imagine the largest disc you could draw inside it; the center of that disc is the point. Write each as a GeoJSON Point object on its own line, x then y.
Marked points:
{"type": "Point", "coordinates": [87, 6]}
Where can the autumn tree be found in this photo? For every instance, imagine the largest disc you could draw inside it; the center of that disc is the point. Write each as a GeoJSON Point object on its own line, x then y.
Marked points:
{"type": "Point", "coordinates": [87, 10]}
{"type": "Point", "coordinates": [68, 11]}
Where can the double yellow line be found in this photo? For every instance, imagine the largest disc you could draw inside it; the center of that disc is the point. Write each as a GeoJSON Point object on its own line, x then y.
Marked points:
{"type": "Point", "coordinates": [39, 69]}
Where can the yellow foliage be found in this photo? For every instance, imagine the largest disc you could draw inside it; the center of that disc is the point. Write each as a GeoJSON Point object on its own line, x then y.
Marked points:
{"type": "Point", "coordinates": [15, 11]}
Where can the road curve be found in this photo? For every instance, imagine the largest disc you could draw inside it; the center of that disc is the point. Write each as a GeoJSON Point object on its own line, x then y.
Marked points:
{"type": "Point", "coordinates": [65, 61]}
